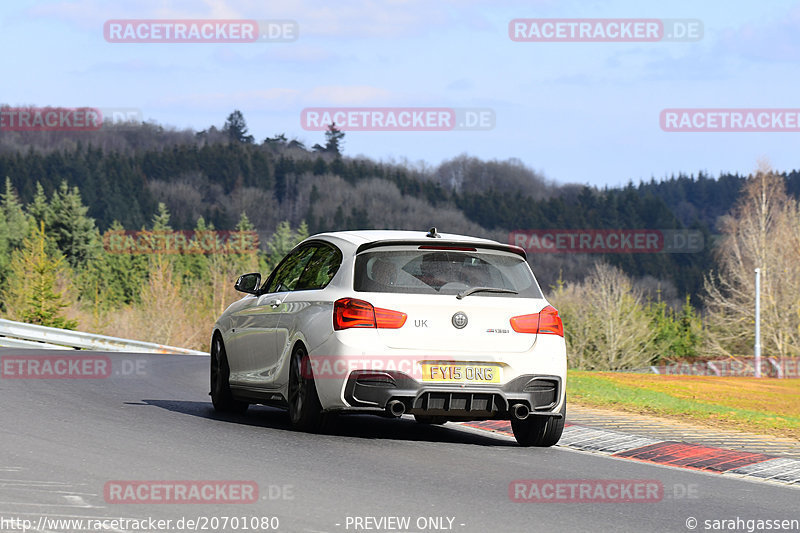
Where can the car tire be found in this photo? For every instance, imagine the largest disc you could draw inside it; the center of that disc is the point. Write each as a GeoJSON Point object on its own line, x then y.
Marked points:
{"type": "Point", "coordinates": [539, 430]}
{"type": "Point", "coordinates": [305, 410]}
{"type": "Point", "coordinates": [432, 420]}
{"type": "Point", "coordinates": [220, 373]}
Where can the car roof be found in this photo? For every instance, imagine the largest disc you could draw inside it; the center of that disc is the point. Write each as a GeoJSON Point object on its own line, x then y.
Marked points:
{"type": "Point", "coordinates": [359, 237]}
{"type": "Point", "coordinates": [363, 239]}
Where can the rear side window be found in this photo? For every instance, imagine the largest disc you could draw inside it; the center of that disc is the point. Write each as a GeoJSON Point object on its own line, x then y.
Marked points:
{"type": "Point", "coordinates": [290, 269]}
{"type": "Point", "coordinates": [320, 269]}
{"type": "Point", "coordinates": [417, 271]}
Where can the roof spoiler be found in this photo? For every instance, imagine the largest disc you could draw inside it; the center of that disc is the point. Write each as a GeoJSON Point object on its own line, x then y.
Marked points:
{"type": "Point", "coordinates": [444, 243]}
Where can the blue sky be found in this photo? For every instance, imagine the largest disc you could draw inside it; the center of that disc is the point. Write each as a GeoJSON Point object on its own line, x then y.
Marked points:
{"type": "Point", "coordinates": [576, 112]}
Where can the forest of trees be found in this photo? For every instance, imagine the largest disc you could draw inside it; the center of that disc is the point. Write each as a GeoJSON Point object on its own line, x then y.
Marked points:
{"type": "Point", "coordinates": [62, 191]}
{"type": "Point", "coordinates": [124, 172]}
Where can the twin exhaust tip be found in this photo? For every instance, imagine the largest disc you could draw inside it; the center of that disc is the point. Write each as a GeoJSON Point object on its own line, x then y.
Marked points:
{"type": "Point", "coordinates": [396, 408]}
{"type": "Point", "coordinates": [520, 411]}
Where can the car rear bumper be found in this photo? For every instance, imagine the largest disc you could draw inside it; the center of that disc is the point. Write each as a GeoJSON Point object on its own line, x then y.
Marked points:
{"type": "Point", "coordinates": [541, 394]}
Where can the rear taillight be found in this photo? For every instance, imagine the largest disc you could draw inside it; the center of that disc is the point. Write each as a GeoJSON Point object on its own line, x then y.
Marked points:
{"type": "Point", "coordinates": [388, 319]}
{"type": "Point", "coordinates": [550, 322]}
{"type": "Point", "coordinates": [546, 321]}
{"type": "Point", "coordinates": [354, 313]}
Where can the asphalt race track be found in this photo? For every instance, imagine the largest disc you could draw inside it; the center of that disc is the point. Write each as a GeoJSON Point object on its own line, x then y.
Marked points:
{"type": "Point", "coordinates": [66, 441]}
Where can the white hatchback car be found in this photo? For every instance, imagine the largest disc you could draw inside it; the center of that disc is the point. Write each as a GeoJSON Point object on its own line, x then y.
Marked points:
{"type": "Point", "coordinates": [443, 327]}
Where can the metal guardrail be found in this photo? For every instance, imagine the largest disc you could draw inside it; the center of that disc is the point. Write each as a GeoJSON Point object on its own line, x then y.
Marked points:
{"type": "Point", "coordinates": [8, 342]}
{"type": "Point", "coordinates": [22, 335]}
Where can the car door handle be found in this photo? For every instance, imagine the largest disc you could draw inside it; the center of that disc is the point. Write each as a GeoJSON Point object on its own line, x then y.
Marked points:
{"type": "Point", "coordinates": [275, 302]}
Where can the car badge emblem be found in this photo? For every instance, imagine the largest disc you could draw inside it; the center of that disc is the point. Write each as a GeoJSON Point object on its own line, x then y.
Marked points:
{"type": "Point", "coordinates": [459, 320]}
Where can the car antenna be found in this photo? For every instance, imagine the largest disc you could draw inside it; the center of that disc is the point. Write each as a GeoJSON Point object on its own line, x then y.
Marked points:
{"type": "Point", "coordinates": [432, 233]}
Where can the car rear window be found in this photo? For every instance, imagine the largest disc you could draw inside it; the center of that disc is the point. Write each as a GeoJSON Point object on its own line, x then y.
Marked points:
{"type": "Point", "coordinates": [416, 271]}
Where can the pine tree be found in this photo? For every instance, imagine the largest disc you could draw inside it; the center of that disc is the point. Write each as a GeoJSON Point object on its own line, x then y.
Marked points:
{"type": "Point", "coordinates": [161, 219]}
{"type": "Point", "coordinates": [35, 292]}
{"type": "Point", "coordinates": [236, 128]}
{"type": "Point", "coordinates": [156, 240]}
{"type": "Point", "coordinates": [244, 223]}
{"type": "Point", "coordinates": [283, 240]}
{"type": "Point", "coordinates": [333, 139]}
{"type": "Point", "coordinates": [247, 243]}
{"type": "Point", "coordinates": [74, 232]}
{"type": "Point", "coordinates": [280, 243]}
{"type": "Point", "coordinates": [5, 255]}
{"type": "Point", "coordinates": [302, 232]}
{"type": "Point", "coordinates": [39, 208]}
{"type": "Point", "coordinates": [17, 221]}
{"type": "Point", "coordinates": [116, 278]}
{"type": "Point", "coordinates": [192, 262]}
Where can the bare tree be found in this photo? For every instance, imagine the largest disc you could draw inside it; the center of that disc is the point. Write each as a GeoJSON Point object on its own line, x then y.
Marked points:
{"type": "Point", "coordinates": [605, 324]}
{"type": "Point", "coordinates": [762, 231]}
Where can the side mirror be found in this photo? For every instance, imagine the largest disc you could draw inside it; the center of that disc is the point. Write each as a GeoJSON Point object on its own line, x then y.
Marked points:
{"type": "Point", "coordinates": [248, 283]}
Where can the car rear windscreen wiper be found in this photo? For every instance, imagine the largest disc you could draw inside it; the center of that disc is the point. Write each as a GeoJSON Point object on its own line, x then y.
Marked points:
{"type": "Point", "coordinates": [473, 290]}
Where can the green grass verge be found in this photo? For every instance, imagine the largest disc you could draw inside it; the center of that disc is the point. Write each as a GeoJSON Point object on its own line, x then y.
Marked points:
{"type": "Point", "coordinates": [590, 389]}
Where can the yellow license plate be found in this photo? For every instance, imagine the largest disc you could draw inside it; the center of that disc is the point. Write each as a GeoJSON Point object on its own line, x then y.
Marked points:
{"type": "Point", "coordinates": [460, 373]}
